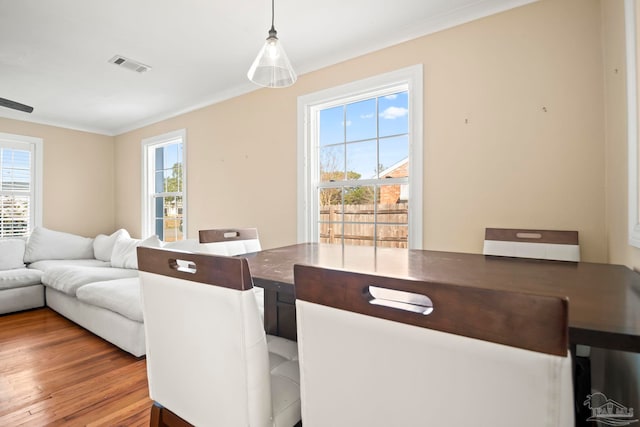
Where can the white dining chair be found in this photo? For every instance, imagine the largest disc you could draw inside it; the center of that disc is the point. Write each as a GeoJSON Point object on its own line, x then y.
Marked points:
{"type": "Point", "coordinates": [229, 241]}
{"type": "Point", "coordinates": [232, 242]}
{"type": "Point", "coordinates": [556, 245]}
{"type": "Point", "coordinates": [378, 351]}
{"type": "Point", "coordinates": [209, 361]}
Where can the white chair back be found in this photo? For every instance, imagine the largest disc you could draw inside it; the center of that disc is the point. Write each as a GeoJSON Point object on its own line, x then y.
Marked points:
{"type": "Point", "coordinates": [540, 244]}
{"type": "Point", "coordinates": [207, 355]}
{"type": "Point", "coordinates": [233, 242]}
{"type": "Point", "coordinates": [230, 241]}
{"type": "Point", "coordinates": [390, 352]}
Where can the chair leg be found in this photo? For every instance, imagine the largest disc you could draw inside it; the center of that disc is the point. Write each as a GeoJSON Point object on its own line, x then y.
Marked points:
{"type": "Point", "coordinates": [581, 388]}
{"type": "Point", "coordinates": [155, 416]}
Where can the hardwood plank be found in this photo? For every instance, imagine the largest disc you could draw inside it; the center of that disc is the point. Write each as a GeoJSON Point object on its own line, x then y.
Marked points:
{"type": "Point", "coordinates": [53, 372]}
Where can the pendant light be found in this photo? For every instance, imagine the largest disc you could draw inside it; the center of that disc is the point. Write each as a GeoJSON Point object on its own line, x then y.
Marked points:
{"type": "Point", "coordinates": [272, 68]}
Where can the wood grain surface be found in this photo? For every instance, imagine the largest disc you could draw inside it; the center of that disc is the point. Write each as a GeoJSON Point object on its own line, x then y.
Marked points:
{"type": "Point", "coordinates": [53, 372]}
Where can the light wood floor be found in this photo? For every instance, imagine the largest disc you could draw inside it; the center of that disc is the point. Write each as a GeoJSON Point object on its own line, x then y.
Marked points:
{"type": "Point", "coordinates": [53, 372]}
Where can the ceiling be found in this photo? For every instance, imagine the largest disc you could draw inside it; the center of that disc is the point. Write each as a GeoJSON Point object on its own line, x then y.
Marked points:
{"type": "Point", "coordinates": [54, 54]}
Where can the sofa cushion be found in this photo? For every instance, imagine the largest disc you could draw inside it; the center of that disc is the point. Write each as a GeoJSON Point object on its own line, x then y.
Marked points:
{"type": "Point", "coordinates": [11, 253]}
{"type": "Point", "coordinates": [103, 244]}
{"type": "Point", "coordinates": [121, 296]}
{"type": "Point", "coordinates": [46, 264]}
{"type": "Point", "coordinates": [69, 279]}
{"type": "Point", "coordinates": [49, 244]}
{"type": "Point", "coordinates": [125, 254]}
{"type": "Point", "coordinates": [19, 277]}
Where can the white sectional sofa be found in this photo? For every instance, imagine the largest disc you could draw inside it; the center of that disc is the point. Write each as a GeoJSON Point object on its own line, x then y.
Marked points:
{"type": "Point", "coordinates": [91, 281]}
{"type": "Point", "coordinates": [20, 288]}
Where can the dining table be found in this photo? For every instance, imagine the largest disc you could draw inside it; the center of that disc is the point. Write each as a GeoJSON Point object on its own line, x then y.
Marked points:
{"type": "Point", "coordinates": [604, 299]}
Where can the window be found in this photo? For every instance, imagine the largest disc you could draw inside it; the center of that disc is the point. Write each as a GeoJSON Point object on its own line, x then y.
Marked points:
{"type": "Point", "coordinates": [360, 162]}
{"type": "Point", "coordinates": [164, 186]}
{"type": "Point", "coordinates": [20, 185]}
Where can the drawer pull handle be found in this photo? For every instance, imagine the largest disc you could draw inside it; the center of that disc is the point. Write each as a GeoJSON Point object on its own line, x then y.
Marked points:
{"type": "Point", "coordinates": [401, 300]}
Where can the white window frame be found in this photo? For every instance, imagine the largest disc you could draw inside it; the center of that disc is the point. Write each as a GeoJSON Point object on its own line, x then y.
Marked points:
{"type": "Point", "coordinates": [36, 147]}
{"type": "Point", "coordinates": [632, 122]}
{"type": "Point", "coordinates": [308, 174]}
{"type": "Point", "coordinates": [148, 225]}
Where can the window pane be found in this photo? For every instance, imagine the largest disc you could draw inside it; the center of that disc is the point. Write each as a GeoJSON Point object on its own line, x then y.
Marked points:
{"type": "Point", "coordinates": [169, 184]}
{"type": "Point", "coordinates": [392, 194]}
{"type": "Point", "coordinates": [332, 163]}
{"type": "Point", "coordinates": [159, 228]}
{"type": "Point", "coordinates": [171, 155]}
{"type": "Point", "coordinates": [331, 126]}
{"type": "Point", "coordinates": [14, 216]}
{"type": "Point", "coordinates": [362, 160]}
{"type": "Point", "coordinates": [330, 202]}
{"type": "Point", "coordinates": [159, 157]}
{"type": "Point", "coordinates": [359, 215]}
{"type": "Point", "coordinates": [330, 232]}
{"type": "Point", "coordinates": [159, 207]}
{"type": "Point", "coordinates": [172, 219]}
{"type": "Point", "coordinates": [391, 236]}
{"type": "Point", "coordinates": [7, 180]}
{"type": "Point", "coordinates": [361, 195]}
{"type": "Point", "coordinates": [394, 157]}
{"type": "Point", "coordinates": [361, 120]}
{"type": "Point", "coordinates": [392, 216]}
{"type": "Point", "coordinates": [330, 215]}
{"type": "Point", "coordinates": [358, 233]}
{"type": "Point", "coordinates": [7, 157]}
{"type": "Point", "coordinates": [158, 181]}
{"type": "Point", "coordinates": [21, 179]}
{"type": "Point", "coordinates": [393, 114]}
{"type": "Point", "coordinates": [177, 177]}
{"type": "Point", "coordinates": [21, 159]}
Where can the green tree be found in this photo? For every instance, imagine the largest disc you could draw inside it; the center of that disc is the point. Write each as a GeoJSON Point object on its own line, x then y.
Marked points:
{"type": "Point", "coordinates": [174, 182]}
{"type": "Point", "coordinates": [358, 195]}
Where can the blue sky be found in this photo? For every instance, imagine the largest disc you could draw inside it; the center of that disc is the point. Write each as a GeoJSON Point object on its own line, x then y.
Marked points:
{"type": "Point", "coordinates": [353, 130]}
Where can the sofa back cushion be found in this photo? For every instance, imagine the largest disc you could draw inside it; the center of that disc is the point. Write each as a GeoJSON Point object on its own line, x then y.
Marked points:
{"type": "Point", "coordinates": [11, 253]}
{"type": "Point", "coordinates": [103, 244]}
{"type": "Point", "coordinates": [125, 254]}
{"type": "Point", "coordinates": [49, 244]}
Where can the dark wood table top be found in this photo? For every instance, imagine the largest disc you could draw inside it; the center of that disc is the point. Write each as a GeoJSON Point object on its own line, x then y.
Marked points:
{"type": "Point", "coordinates": [604, 299]}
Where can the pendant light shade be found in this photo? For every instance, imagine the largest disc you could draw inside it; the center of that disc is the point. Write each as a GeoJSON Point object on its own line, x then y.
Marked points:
{"type": "Point", "coordinates": [271, 67]}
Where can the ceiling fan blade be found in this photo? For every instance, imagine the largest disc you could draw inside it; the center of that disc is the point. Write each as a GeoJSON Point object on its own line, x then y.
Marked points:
{"type": "Point", "coordinates": [15, 105]}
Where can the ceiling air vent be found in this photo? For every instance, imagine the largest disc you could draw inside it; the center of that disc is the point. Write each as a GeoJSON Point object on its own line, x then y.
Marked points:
{"type": "Point", "coordinates": [129, 64]}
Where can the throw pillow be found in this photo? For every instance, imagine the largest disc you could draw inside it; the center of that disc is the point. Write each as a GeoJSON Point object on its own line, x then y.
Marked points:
{"type": "Point", "coordinates": [11, 253]}
{"type": "Point", "coordinates": [103, 244]}
{"type": "Point", "coordinates": [124, 253]}
{"type": "Point", "coordinates": [49, 244]}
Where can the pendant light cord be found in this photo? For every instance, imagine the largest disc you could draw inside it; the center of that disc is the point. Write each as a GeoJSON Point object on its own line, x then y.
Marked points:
{"type": "Point", "coordinates": [272, 32]}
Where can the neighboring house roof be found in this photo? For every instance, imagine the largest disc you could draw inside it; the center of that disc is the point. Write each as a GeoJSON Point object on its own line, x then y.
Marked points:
{"type": "Point", "coordinates": [390, 169]}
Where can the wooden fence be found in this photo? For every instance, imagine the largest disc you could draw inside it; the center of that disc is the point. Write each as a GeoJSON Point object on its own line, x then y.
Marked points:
{"type": "Point", "coordinates": [356, 224]}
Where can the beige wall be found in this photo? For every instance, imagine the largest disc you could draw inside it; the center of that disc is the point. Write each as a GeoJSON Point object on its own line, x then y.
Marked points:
{"type": "Point", "coordinates": [78, 193]}
{"type": "Point", "coordinates": [529, 81]}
